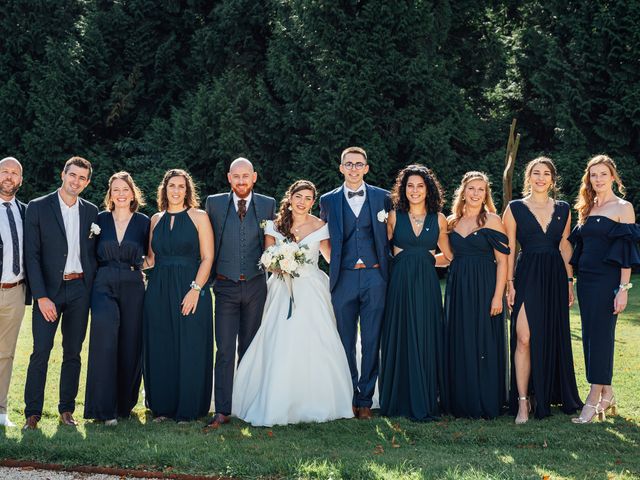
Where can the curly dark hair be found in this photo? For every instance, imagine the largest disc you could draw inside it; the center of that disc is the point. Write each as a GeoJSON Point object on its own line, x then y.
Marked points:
{"type": "Point", "coordinates": [284, 219]}
{"type": "Point", "coordinates": [435, 193]}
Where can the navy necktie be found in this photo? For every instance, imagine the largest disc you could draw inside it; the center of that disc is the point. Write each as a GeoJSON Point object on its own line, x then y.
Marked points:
{"type": "Point", "coordinates": [14, 239]}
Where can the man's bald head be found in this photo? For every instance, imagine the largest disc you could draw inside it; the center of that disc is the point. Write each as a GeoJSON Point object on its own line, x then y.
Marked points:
{"type": "Point", "coordinates": [11, 160]}
{"type": "Point", "coordinates": [242, 177]}
{"type": "Point", "coordinates": [240, 162]}
{"type": "Point", "coordinates": [10, 178]}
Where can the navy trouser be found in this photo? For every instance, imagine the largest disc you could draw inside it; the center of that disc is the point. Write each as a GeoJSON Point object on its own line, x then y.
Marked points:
{"type": "Point", "coordinates": [360, 295]}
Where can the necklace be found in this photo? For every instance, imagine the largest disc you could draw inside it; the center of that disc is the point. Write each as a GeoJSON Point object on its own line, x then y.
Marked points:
{"type": "Point", "coordinates": [418, 221]}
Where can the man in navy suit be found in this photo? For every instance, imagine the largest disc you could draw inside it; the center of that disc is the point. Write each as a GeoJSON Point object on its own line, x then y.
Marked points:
{"type": "Point", "coordinates": [14, 293]}
{"type": "Point", "coordinates": [59, 254]}
{"type": "Point", "coordinates": [240, 286]}
{"type": "Point", "coordinates": [359, 269]}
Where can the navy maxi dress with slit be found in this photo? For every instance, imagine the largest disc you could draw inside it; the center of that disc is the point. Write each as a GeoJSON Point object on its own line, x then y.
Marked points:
{"type": "Point", "coordinates": [541, 287]}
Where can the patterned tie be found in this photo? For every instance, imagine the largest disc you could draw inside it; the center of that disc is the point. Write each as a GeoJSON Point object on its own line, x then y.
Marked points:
{"type": "Point", "coordinates": [242, 208]}
{"type": "Point", "coordinates": [14, 239]}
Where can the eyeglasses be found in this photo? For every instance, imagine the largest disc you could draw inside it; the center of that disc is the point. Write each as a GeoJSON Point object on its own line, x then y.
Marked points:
{"type": "Point", "coordinates": [351, 165]}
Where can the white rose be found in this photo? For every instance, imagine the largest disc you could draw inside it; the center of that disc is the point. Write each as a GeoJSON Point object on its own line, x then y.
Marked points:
{"type": "Point", "coordinates": [267, 258]}
{"type": "Point", "coordinates": [287, 265]}
{"type": "Point", "coordinates": [94, 230]}
{"type": "Point", "coordinates": [382, 216]}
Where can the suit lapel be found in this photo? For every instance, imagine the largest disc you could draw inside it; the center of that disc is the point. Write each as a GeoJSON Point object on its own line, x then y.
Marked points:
{"type": "Point", "coordinates": [223, 218]}
{"type": "Point", "coordinates": [57, 213]}
{"type": "Point", "coordinates": [374, 217]}
{"type": "Point", "coordinates": [84, 227]}
{"type": "Point", "coordinates": [260, 215]}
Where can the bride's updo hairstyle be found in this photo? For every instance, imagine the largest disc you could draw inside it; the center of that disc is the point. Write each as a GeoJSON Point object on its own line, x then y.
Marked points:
{"type": "Point", "coordinates": [284, 219]}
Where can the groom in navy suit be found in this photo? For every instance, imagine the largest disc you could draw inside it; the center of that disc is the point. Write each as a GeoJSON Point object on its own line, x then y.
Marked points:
{"type": "Point", "coordinates": [355, 213]}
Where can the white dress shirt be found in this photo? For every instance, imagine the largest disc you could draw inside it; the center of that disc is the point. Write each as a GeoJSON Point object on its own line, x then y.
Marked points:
{"type": "Point", "coordinates": [7, 242]}
{"type": "Point", "coordinates": [356, 201]}
{"type": "Point", "coordinates": [236, 198]}
{"type": "Point", "coordinates": [71, 219]}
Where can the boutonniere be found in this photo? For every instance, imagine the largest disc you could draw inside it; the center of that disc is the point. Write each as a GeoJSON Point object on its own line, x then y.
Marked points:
{"type": "Point", "coordinates": [383, 215]}
{"type": "Point", "coordinates": [263, 224]}
{"type": "Point", "coordinates": [94, 230]}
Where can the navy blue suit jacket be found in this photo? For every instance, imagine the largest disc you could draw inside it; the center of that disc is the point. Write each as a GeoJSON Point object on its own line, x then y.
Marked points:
{"type": "Point", "coordinates": [45, 244]}
{"type": "Point", "coordinates": [331, 212]}
{"type": "Point", "coordinates": [21, 208]}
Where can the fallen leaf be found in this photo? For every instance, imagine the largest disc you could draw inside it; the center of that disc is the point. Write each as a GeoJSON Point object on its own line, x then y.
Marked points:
{"type": "Point", "coordinates": [546, 477]}
{"type": "Point", "coordinates": [270, 434]}
{"type": "Point", "coordinates": [394, 443]}
{"type": "Point", "coordinates": [378, 450]}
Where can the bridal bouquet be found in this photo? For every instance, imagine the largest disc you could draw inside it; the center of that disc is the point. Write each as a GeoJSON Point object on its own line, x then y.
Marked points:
{"type": "Point", "coordinates": [286, 258]}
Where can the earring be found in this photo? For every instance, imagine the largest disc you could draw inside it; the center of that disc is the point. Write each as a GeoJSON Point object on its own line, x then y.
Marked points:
{"type": "Point", "coordinates": [289, 208]}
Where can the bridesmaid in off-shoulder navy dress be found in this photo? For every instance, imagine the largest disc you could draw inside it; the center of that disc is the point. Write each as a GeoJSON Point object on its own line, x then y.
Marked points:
{"type": "Point", "coordinates": [114, 368]}
{"type": "Point", "coordinates": [606, 248]}
{"type": "Point", "coordinates": [475, 334]}
{"type": "Point", "coordinates": [542, 280]}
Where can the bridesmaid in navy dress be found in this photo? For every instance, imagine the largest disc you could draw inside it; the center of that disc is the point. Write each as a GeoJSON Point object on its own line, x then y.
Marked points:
{"type": "Point", "coordinates": [115, 360]}
{"type": "Point", "coordinates": [540, 294]}
{"type": "Point", "coordinates": [606, 248]}
{"type": "Point", "coordinates": [475, 335]}
{"type": "Point", "coordinates": [412, 373]}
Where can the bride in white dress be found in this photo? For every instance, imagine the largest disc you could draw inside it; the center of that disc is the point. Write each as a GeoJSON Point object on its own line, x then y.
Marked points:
{"type": "Point", "coordinates": [295, 369]}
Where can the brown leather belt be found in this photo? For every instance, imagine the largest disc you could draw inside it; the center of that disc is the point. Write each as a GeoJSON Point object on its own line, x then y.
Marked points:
{"type": "Point", "coordinates": [72, 276]}
{"type": "Point", "coordinates": [222, 277]}
{"type": "Point", "coordinates": [7, 286]}
{"type": "Point", "coordinates": [359, 266]}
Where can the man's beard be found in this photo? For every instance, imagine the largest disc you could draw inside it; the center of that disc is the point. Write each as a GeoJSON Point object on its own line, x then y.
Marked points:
{"type": "Point", "coordinates": [241, 194]}
{"type": "Point", "coordinates": [10, 191]}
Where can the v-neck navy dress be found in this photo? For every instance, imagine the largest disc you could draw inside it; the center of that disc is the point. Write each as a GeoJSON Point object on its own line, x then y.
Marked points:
{"type": "Point", "coordinates": [602, 247]}
{"type": "Point", "coordinates": [115, 347]}
{"type": "Point", "coordinates": [475, 341]}
{"type": "Point", "coordinates": [412, 342]}
{"type": "Point", "coordinates": [542, 290]}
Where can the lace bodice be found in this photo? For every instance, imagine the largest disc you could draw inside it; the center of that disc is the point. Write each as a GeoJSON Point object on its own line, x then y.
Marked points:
{"type": "Point", "coordinates": [311, 241]}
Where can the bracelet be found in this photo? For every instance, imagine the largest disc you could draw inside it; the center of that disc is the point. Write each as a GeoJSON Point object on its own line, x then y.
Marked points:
{"type": "Point", "coordinates": [195, 286]}
{"type": "Point", "coordinates": [625, 286]}
{"type": "Point", "coordinates": [570, 279]}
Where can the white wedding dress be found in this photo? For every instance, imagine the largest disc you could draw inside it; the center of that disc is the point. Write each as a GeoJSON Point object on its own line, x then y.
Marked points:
{"type": "Point", "coordinates": [295, 369]}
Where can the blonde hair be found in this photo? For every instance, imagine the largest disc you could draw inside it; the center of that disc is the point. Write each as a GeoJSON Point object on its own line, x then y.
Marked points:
{"type": "Point", "coordinates": [457, 209]}
{"type": "Point", "coordinates": [547, 162]}
{"type": "Point", "coordinates": [138, 199]}
{"type": "Point", "coordinates": [587, 196]}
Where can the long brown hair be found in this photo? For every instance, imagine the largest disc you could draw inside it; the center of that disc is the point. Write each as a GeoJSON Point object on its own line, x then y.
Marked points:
{"type": "Point", "coordinates": [138, 199]}
{"type": "Point", "coordinates": [547, 162]}
{"type": "Point", "coordinates": [459, 202]}
{"type": "Point", "coordinates": [284, 219]}
{"type": "Point", "coordinates": [191, 199]}
{"type": "Point", "coordinates": [587, 196]}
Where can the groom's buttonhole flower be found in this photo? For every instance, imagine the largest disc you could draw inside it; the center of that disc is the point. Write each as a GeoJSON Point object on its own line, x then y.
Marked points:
{"type": "Point", "coordinates": [383, 215]}
{"type": "Point", "coordinates": [94, 230]}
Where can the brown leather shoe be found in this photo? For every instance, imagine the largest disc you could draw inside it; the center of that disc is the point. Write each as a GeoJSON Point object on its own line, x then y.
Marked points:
{"type": "Point", "coordinates": [355, 411]}
{"type": "Point", "coordinates": [66, 418]}
{"type": "Point", "coordinates": [364, 413]}
{"type": "Point", "coordinates": [31, 423]}
{"type": "Point", "coordinates": [217, 420]}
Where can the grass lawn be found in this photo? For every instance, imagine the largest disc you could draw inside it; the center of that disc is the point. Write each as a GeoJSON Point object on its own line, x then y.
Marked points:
{"type": "Point", "coordinates": [382, 448]}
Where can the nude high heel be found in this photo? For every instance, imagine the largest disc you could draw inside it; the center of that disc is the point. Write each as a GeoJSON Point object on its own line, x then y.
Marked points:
{"type": "Point", "coordinates": [611, 405]}
{"type": "Point", "coordinates": [598, 415]}
{"type": "Point", "coordinates": [522, 421]}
